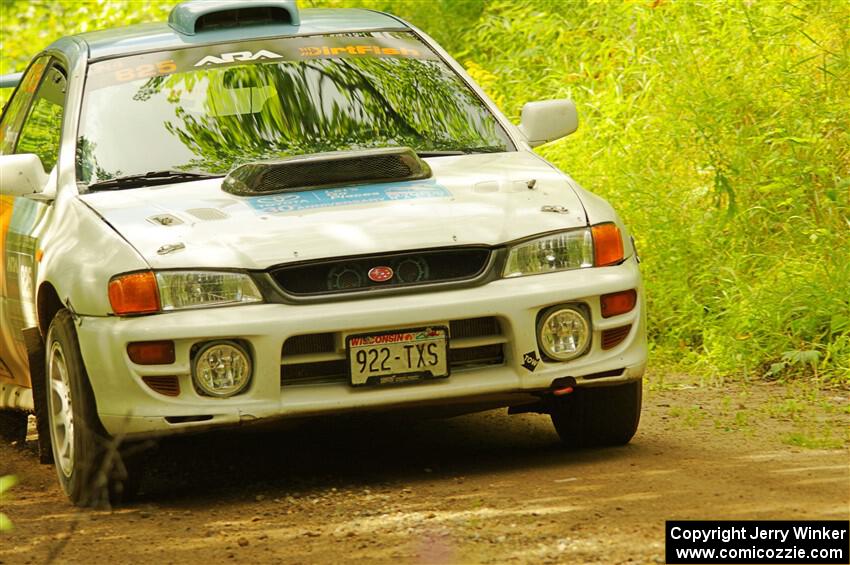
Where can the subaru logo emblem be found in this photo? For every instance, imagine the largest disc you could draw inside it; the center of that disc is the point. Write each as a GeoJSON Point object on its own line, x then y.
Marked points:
{"type": "Point", "coordinates": [380, 274]}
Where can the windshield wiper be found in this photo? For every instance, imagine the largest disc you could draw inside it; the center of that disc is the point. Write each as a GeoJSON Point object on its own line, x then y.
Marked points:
{"type": "Point", "coordinates": [149, 178]}
{"type": "Point", "coordinates": [439, 153]}
{"type": "Point", "coordinates": [461, 151]}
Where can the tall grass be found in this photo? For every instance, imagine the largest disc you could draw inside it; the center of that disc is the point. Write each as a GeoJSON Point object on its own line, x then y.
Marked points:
{"type": "Point", "coordinates": [719, 129]}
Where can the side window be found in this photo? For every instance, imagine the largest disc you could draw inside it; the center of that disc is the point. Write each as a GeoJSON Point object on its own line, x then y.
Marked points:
{"type": "Point", "coordinates": [16, 109]}
{"type": "Point", "coordinates": [43, 127]}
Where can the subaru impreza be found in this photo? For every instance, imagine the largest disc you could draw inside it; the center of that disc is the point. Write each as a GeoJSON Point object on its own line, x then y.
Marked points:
{"type": "Point", "coordinates": [254, 212]}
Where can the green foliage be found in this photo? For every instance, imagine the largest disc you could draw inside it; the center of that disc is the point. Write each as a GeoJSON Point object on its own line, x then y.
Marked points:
{"type": "Point", "coordinates": [816, 440]}
{"type": "Point", "coordinates": [41, 132]}
{"type": "Point", "coordinates": [6, 483]}
{"type": "Point", "coordinates": [720, 131]}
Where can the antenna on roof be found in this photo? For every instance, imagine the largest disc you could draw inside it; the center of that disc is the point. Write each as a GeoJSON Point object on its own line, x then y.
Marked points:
{"type": "Point", "coordinates": [196, 16]}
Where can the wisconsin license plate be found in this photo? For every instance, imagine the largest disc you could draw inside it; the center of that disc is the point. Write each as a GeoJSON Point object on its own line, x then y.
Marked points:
{"type": "Point", "coordinates": [398, 356]}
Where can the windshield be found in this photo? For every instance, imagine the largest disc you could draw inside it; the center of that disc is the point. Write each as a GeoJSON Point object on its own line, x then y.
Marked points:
{"type": "Point", "coordinates": [209, 109]}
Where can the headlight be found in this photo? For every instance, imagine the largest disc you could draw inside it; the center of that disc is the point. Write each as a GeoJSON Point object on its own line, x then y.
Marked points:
{"type": "Point", "coordinates": [556, 252]}
{"type": "Point", "coordinates": [221, 368]}
{"type": "Point", "coordinates": [147, 292]}
{"type": "Point", "coordinates": [199, 289]}
{"type": "Point", "coordinates": [563, 333]}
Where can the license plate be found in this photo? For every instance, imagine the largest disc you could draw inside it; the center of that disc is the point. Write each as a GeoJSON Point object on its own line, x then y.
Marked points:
{"type": "Point", "coordinates": [398, 356]}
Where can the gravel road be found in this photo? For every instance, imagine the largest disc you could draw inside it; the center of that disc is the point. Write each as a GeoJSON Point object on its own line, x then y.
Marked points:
{"type": "Point", "coordinates": [486, 488]}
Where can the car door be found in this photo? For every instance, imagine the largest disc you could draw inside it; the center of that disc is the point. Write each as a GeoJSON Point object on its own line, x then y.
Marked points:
{"type": "Point", "coordinates": [32, 123]}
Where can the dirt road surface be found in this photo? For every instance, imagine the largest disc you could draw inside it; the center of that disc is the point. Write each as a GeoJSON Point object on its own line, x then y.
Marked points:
{"type": "Point", "coordinates": [487, 488]}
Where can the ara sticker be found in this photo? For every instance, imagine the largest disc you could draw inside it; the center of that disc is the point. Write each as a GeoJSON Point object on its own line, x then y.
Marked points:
{"type": "Point", "coordinates": [237, 56]}
{"type": "Point", "coordinates": [347, 196]}
{"type": "Point", "coordinates": [530, 360]}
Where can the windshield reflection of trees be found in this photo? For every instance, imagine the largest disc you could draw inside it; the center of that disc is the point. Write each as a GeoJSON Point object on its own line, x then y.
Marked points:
{"type": "Point", "coordinates": [237, 114]}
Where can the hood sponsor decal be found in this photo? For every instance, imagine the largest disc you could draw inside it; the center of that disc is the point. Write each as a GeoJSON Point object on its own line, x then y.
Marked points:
{"type": "Point", "coordinates": [333, 197]}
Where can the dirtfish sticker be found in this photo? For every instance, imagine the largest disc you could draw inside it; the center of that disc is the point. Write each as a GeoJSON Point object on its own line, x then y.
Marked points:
{"type": "Point", "coordinates": [327, 51]}
{"type": "Point", "coordinates": [333, 197]}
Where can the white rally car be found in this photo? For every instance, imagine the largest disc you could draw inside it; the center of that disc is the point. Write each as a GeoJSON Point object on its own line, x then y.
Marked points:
{"type": "Point", "coordinates": [254, 212]}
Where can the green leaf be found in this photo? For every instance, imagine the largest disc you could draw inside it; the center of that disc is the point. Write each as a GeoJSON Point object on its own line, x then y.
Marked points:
{"type": "Point", "coordinates": [5, 523]}
{"type": "Point", "coordinates": [7, 482]}
{"type": "Point", "coordinates": [809, 356]}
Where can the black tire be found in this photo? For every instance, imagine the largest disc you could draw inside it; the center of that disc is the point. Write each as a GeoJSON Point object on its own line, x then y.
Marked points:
{"type": "Point", "coordinates": [88, 461]}
{"type": "Point", "coordinates": [13, 426]}
{"type": "Point", "coordinates": [598, 416]}
{"type": "Point", "coordinates": [35, 355]}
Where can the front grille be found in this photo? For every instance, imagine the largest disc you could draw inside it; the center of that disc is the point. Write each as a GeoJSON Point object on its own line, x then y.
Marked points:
{"type": "Point", "coordinates": [408, 269]}
{"type": "Point", "coordinates": [314, 373]}
{"type": "Point", "coordinates": [475, 327]}
{"type": "Point", "coordinates": [312, 359]}
{"type": "Point", "coordinates": [309, 343]}
{"type": "Point", "coordinates": [481, 355]}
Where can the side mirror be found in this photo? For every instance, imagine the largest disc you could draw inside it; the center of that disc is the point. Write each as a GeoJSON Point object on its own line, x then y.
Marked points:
{"type": "Point", "coordinates": [548, 120]}
{"type": "Point", "coordinates": [21, 175]}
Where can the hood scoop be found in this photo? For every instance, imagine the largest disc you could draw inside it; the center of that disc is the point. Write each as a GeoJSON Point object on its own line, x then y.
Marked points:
{"type": "Point", "coordinates": [326, 170]}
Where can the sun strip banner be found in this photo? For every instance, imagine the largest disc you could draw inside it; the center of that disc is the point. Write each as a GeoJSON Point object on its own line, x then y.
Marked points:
{"type": "Point", "coordinates": [380, 45]}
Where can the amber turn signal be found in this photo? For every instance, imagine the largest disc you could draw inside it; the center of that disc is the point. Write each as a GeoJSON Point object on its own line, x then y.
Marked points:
{"type": "Point", "coordinates": [618, 302]}
{"type": "Point", "coordinates": [607, 244]}
{"type": "Point", "coordinates": [135, 293]}
{"type": "Point", "coordinates": [151, 352]}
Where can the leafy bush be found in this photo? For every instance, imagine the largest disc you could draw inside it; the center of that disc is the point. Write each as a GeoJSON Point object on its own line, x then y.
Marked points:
{"type": "Point", "coordinates": [720, 130]}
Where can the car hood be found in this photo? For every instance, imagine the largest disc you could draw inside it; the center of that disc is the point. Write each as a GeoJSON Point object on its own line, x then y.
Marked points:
{"type": "Point", "coordinates": [471, 199]}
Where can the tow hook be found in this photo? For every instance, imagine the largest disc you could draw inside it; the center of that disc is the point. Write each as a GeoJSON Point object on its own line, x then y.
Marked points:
{"type": "Point", "coordinates": [560, 387]}
{"type": "Point", "coordinates": [563, 386]}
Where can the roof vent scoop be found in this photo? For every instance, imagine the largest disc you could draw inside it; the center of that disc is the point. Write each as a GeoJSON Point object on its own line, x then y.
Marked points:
{"type": "Point", "coordinates": [326, 170]}
{"type": "Point", "coordinates": [196, 16]}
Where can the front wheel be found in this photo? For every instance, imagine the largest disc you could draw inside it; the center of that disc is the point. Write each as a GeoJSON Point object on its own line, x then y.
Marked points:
{"type": "Point", "coordinates": [598, 416]}
{"type": "Point", "coordinates": [88, 461]}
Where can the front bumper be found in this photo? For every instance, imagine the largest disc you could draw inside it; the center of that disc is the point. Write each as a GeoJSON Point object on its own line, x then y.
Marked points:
{"type": "Point", "coordinates": [128, 406]}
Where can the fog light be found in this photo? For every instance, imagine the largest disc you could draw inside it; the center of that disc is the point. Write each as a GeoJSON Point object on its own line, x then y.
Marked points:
{"type": "Point", "coordinates": [563, 333]}
{"type": "Point", "coordinates": [222, 368]}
